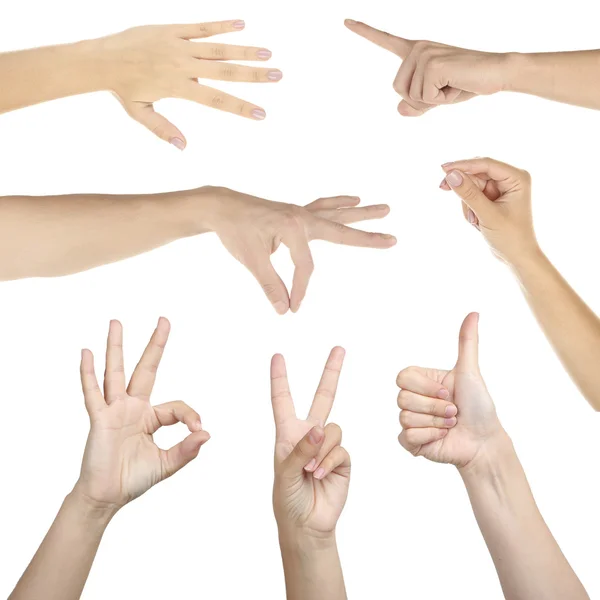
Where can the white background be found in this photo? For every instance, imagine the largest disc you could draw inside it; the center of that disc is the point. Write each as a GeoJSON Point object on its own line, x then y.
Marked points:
{"type": "Point", "coordinates": [332, 128]}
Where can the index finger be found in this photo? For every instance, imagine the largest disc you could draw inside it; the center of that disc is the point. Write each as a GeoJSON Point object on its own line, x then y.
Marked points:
{"type": "Point", "coordinates": [397, 45]}
{"type": "Point", "coordinates": [281, 398]}
{"type": "Point", "coordinates": [203, 30]}
{"type": "Point", "coordinates": [348, 236]}
{"type": "Point", "coordinates": [325, 395]}
{"type": "Point", "coordinates": [144, 375]}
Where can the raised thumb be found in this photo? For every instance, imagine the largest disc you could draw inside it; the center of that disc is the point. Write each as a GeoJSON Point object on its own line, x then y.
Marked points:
{"type": "Point", "coordinates": [468, 345]}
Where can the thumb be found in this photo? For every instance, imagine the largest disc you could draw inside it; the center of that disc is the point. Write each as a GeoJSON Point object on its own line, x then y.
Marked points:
{"type": "Point", "coordinates": [469, 192]}
{"type": "Point", "coordinates": [399, 46]}
{"type": "Point", "coordinates": [306, 449]}
{"type": "Point", "coordinates": [181, 454]}
{"type": "Point", "coordinates": [156, 123]}
{"type": "Point", "coordinates": [468, 345]}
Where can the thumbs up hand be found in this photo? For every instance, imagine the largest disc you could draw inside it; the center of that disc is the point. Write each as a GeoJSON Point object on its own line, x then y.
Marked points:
{"type": "Point", "coordinates": [433, 74]}
{"type": "Point", "coordinates": [448, 416]}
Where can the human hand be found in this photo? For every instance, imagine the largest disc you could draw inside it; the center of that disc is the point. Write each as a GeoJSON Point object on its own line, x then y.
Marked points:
{"type": "Point", "coordinates": [252, 229]}
{"type": "Point", "coordinates": [312, 470]}
{"type": "Point", "coordinates": [121, 460]}
{"type": "Point", "coordinates": [497, 201]}
{"type": "Point", "coordinates": [448, 416]}
{"type": "Point", "coordinates": [147, 64]}
{"type": "Point", "coordinates": [433, 74]}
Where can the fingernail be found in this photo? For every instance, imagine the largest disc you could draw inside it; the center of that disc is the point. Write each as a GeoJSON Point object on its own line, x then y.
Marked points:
{"type": "Point", "coordinates": [311, 465]}
{"type": "Point", "coordinates": [264, 53]}
{"type": "Point", "coordinates": [471, 216]}
{"type": "Point", "coordinates": [198, 425]}
{"type": "Point", "coordinates": [443, 394]}
{"type": "Point", "coordinates": [315, 435]}
{"type": "Point", "coordinates": [454, 178]}
{"type": "Point", "coordinates": [446, 165]}
{"type": "Point", "coordinates": [444, 184]}
{"type": "Point", "coordinates": [351, 22]}
{"type": "Point", "coordinates": [238, 24]}
{"type": "Point", "coordinates": [259, 114]}
{"type": "Point", "coordinates": [449, 422]}
{"type": "Point", "coordinates": [319, 473]}
{"type": "Point", "coordinates": [280, 307]}
{"type": "Point", "coordinates": [177, 142]}
{"type": "Point", "coordinates": [387, 236]}
{"type": "Point", "coordinates": [450, 411]}
{"type": "Point", "coordinates": [442, 432]}
{"type": "Point", "coordinates": [274, 75]}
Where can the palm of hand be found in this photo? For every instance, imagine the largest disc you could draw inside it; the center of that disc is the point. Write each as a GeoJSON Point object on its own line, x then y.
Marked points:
{"type": "Point", "coordinates": [312, 503]}
{"type": "Point", "coordinates": [121, 460]}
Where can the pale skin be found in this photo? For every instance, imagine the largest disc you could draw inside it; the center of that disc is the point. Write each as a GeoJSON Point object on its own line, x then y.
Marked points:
{"type": "Point", "coordinates": [59, 235]}
{"type": "Point", "coordinates": [121, 462]}
{"type": "Point", "coordinates": [528, 560]}
{"type": "Point", "coordinates": [434, 74]}
{"type": "Point", "coordinates": [312, 475]}
{"type": "Point", "coordinates": [140, 66]}
{"type": "Point", "coordinates": [496, 200]}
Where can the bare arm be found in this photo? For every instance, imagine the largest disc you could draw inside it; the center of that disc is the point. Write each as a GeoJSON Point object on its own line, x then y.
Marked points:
{"type": "Point", "coordinates": [497, 201]}
{"type": "Point", "coordinates": [59, 235]}
{"type": "Point", "coordinates": [529, 562]}
{"type": "Point", "coordinates": [569, 77]}
{"type": "Point", "coordinates": [570, 325]}
{"type": "Point", "coordinates": [61, 566]}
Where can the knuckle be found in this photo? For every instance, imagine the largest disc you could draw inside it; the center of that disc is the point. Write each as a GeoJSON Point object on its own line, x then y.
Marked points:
{"type": "Point", "coordinates": [217, 52]}
{"type": "Point", "coordinates": [420, 46]}
{"type": "Point", "coordinates": [228, 72]}
{"type": "Point", "coordinates": [217, 100]}
{"type": "Point", "coordinates": [433, 407]}
{"type": "Point", "coordinates": [334, 431]}
{"type": "Point", "coordinates": [525, 176]}
{"type": "Point", "coordinates": [269, 289]}
{"type": "Point", "coordinates": [404, 419]}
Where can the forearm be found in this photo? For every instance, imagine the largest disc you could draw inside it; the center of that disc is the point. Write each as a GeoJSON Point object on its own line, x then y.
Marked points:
{"type": "Point", "coordinates": [569, 77]}
{"type": "Point", "coordinates": [61, 566]}
{"type": "Point", "coordinates": [528, 560]}
{"type": "Point", "coordinates": [312, 568]}
{"type": "Point", "coordinates": [570, 325]}
{"type": "Point", "coordinates": [42, 74]}
{"type": "Point", "coordinates": [58, 235]}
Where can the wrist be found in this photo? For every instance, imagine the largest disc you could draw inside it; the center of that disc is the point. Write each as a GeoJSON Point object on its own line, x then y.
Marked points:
{"type": "Point", "coordinates": [526, 260]}
{"type": "Point", "coordinates": [94, 515]}
{"type": "Point", "coordinates": [303, 542]}
{"type": "Point", "coordinates": [84, 65]}
{"type": "Point", "coordinates": [489, 460]}
{"type": "Point", "coordinates": [518, 70]}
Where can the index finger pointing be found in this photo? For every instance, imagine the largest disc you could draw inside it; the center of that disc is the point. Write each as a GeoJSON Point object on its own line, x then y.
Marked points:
{"type": "Point", "coordinates": [281, 398]}
{"type": "Point", "coordinates": [325, 395]}
{"type": "Point", "coordinates": [144, 375]}
{"type": "Point", "coordinates": [348, 236]}
{"type": "Point", "coordinates": [399, 46]}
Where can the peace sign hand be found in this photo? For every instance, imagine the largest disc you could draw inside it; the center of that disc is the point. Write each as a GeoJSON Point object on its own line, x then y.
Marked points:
{"type": "Point", "coordinates": [312, 470]}
{"type": "Point", "coordinates": [121, 460]}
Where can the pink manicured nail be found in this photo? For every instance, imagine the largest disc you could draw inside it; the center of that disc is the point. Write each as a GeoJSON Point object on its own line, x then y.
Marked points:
{"type": "Point", "coordinates": [450, 411]}
{"type": "Point", "coordinates": [351, 22]}
{"type": "Point", "coordinates": [259, 114]}
{"type": "Point", "coordinates": [446, 165]}
{"type": "Point", "coordinates": [274, 75]}
{"type": "Point", "coordinates": [443, 394]}
{"type": "Point", "coordinates": [311, 465]}
{"type": "Point", "coordinates": [198, 425]}
{"type": "Point", "coordinates": [238, 24]}
{"type": "Point", "coordinates": [449, 422]}
{"type": "Point", "coordinates": [319, 473]}
{"type": "Point", "coordinates": [264, 53]}
{"type": "Point", "coordinates": [471, 216]}
{"type": "Point", "coordinates": [177, 142]}
{"type": "Point", "coordinates": [454, 178]}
